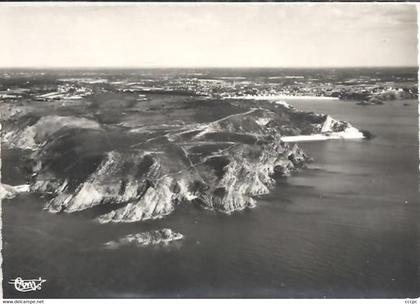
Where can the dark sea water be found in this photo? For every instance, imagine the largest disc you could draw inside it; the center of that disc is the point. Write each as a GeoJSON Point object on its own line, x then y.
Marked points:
{"type": "Point", "coordinates": [347, 226]}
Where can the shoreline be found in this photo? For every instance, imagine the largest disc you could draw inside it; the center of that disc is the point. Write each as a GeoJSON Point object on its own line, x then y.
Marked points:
{"type": "Point", "coordinates": [349, 133]}
{"type": "Point", "coordinates": [285, 97]}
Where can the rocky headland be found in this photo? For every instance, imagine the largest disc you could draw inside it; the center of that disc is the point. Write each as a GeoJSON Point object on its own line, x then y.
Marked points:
{"type": "Point", "coordinates": [144, 168]}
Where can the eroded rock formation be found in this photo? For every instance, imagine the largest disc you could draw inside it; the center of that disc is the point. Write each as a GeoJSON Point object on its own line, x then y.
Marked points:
{"type": "Point", "coordinates": [157, 237]}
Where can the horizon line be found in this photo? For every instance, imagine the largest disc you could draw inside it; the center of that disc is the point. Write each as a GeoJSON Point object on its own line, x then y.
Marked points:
{"type": "Point", "coordinates": [203, 67]}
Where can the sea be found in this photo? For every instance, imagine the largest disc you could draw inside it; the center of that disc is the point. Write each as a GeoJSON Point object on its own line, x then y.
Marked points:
{"type": "Point", "coordinates": [347, 226]}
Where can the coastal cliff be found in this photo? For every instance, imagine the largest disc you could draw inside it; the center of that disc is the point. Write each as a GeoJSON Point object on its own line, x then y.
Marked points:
{"type": "Point", "coordinates": [222, 164]}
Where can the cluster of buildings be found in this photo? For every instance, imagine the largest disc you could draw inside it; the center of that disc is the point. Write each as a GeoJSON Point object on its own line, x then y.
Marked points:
{"type": "Point", "coordinates": [228, 88]}
{"type": "Point", "coordinates": [360, 89]}
{"type": "Point", "coordinates": [66, 91]}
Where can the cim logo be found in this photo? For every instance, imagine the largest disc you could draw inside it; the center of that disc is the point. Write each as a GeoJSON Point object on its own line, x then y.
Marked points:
{"type": "Point", "coordinates": [27, 285]}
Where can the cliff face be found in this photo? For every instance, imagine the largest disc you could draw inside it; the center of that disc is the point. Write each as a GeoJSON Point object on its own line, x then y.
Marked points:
{"type": "Point", "coordinates": [150, 185]}
{"type": "Point", "coordinates": [146, 172]}
{"type": "Point", "coordinates": [32, 136]}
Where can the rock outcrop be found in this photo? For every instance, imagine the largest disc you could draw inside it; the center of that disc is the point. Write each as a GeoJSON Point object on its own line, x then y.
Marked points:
{"type": "Point", "coordinates": [9, 192]}
{"type": "Point", "coordinates": [152, 238]}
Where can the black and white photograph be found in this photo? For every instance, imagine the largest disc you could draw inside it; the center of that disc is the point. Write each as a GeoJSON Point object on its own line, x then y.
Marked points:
{"type": "Point", "coordinates": [209, 150]}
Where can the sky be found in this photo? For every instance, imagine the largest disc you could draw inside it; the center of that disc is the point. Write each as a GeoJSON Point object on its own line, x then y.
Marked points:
{"type": "Point", "coordinates": [207, 35]}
